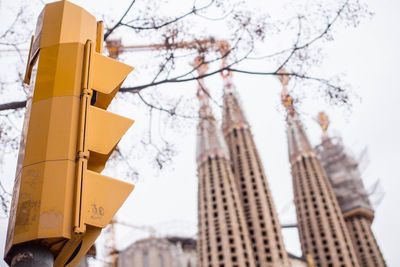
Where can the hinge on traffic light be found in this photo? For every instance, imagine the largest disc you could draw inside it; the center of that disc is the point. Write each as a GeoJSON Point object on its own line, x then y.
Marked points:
{"type": "Point", "coordinates": [82, 155]}
{"type": "Point", "coordinates": [86, 91]}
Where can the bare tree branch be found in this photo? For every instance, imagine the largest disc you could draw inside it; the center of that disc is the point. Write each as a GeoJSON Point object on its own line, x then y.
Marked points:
{"type": "Point", "coordinates": [119, 22]}
{"type": "Point", "coordinates": [180, 78]}
{"type": "Point", "coordinates": [13, 105]}
{"type": "Point", "coordinates": [169, 111]}
{"type": "Point", "coordinates": [17, 17]}
{"type": "Point", "coordinates": [155, 26]}
{"type": "Point", "coordinates": [294, 47]}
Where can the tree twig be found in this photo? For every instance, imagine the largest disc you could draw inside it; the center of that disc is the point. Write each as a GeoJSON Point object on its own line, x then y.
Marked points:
{"type": "Point", "coordinates": [119, 22]}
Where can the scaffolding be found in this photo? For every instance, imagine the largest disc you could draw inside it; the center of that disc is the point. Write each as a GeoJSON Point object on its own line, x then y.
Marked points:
{"type": "Point", "coordinates": [343, 173]}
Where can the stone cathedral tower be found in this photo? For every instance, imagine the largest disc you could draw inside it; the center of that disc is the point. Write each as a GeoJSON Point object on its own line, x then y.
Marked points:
{"type": "Point", "coordinates": [322, 230]}
{"type": "Point", "coordinates": [223, 239]}
{"type": "Point", "coordinates": [259, 210]}
{"type": "Point", "coordinates": [342, 171]}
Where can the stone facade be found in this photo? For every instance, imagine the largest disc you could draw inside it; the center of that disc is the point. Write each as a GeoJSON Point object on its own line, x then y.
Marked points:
{"type": "Point", "coordinates": [159, 252]}
{"type": "Point", "coordinates": [367, 249]}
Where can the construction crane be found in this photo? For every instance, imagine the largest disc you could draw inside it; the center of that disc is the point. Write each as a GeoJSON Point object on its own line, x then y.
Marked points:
{"type": "Point", "coordinates": [115, 47]}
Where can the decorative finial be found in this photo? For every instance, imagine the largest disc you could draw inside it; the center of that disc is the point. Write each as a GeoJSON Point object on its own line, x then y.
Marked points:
{"type": "Point", "coordinates": [283, 78]}
{"type": "Point", "coordinates": [200, 65]}
{"type": "Point", "coordinates": [224, 50]}
{"type": "Point", "coordinates": [223, 47]}
{"type": "Point", "coordinates": [201, 68]}
{"type": "Point", "coordinates": [286, 99]}
{"type": "Point", "coordinates": [114, 47]}
{"type": "Point", "coordinates": [323, 121]}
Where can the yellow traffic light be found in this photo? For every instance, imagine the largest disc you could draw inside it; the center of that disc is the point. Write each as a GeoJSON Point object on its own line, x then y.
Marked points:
{"type": "Point", "coordinates": [60, 199]}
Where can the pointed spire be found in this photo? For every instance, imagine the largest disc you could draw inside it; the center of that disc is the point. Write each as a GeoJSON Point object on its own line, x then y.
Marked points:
{"type": "Point", "coordinates": [319, 222]}
{"type": "Point", "coordinates": [297, 138]}
{"type": "Point", "coordinates": [345, 177]}
{"type": "Point", "coordinates": [233, 115]}
{"type": "Point", "coordinates": [202, 92]}
{"type": "Point", "coordinates": [287, 100]}
{"type": "Point", "coordinates": [210, 141]}
{"type": "Point", "coordinates": [263, 224]}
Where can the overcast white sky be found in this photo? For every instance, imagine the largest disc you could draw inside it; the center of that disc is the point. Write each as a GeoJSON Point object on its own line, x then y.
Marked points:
{"type": "Point", "coordinates": [369, 57]}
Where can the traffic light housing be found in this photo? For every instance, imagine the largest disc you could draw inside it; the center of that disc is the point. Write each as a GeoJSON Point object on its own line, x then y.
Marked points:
{"type": "Point", "coordinates": [60, 199]}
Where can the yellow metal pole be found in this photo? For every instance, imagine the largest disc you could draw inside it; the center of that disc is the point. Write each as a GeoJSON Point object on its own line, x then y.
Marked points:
{"type": "Point", "coordinates": [100, 37]}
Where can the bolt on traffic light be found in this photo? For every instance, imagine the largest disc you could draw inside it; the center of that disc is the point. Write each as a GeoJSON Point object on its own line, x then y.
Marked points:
{"type": "Point", "coordinates": [60, 199]}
